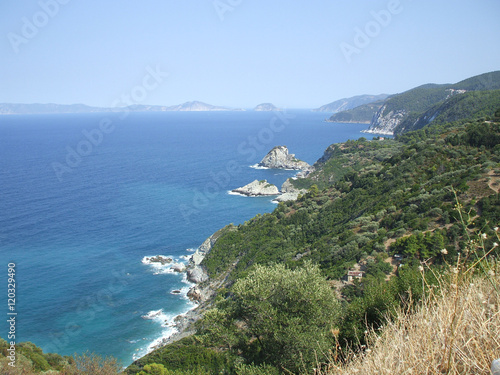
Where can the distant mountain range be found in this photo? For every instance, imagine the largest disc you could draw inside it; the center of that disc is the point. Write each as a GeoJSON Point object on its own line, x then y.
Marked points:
{"type": "Point", "coordinates": [350, 103]}
{"type": "Point", "coordinates": [15, 108]}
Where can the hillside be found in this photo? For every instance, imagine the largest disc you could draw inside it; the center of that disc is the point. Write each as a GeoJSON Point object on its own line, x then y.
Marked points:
{"type": "Point", "coordinates": [362, 114]}
{"type": "Point", "coordinates": [350, 103]}
{"type": "Point", "coordinates": [368, 201]}
{"type": "Point", "coordinates": [415, 102]}
{"type": "Point", "coordinates": [471, 105]}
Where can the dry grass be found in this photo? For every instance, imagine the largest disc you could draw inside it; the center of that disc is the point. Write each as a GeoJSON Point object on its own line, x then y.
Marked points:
{"type": "Point", "coordinates": [456, 331]}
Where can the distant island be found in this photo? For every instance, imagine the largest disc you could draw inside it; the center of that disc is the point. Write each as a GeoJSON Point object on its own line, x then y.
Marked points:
{"type": "Point", "coordinates": [37, 108]}
{"type": "Point", "coordinates": [266, 107]}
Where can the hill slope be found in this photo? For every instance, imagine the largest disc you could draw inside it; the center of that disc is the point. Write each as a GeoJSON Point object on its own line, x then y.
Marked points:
{"type": "Point", "coordinates": [367, 201]}
{"type": "Point", "coordinates": [349, 103]}
{"type": "Point", "coordinates": [362, 114]}
{"type": "Point", "coordinates": [418, 100]}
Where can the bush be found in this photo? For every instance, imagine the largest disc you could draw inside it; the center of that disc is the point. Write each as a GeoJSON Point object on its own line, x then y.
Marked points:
{"type": "Point", "coordinates": [287, 314]}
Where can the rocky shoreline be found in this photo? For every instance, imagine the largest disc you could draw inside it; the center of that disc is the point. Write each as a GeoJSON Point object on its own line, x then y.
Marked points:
{"type": "Point", "coordinates": [201, 292]}
{"type": "Point", "coordinates": [203, 289]}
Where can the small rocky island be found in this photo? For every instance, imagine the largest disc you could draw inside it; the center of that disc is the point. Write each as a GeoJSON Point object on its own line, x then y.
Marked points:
{"type": "Point", "coordinates": [266, 107]}
{"type": "Point", "coordinates": [257, 189]}
{"type": "Point", "coordinates": [280, 158]}
{"type": "Point", "coordinates": [277, 158]}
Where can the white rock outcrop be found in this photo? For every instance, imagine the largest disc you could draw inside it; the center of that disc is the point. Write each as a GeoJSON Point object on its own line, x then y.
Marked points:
{"type": "Point", "coordinates": [257, 188]}
{"type": "Point", "coordinates": [385, 123]}
{"type": "Point", "coordinates": [280, 158]}
{"type": "Point", "coordinates": [289, 192]}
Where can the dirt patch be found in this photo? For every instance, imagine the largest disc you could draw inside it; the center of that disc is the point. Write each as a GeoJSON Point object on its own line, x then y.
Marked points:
{"type": "Point", "coordinates": [494, 181]}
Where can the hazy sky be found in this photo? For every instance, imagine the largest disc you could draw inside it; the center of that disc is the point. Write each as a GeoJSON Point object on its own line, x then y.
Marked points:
{"type": "Point", "coordinates": [238, 53]}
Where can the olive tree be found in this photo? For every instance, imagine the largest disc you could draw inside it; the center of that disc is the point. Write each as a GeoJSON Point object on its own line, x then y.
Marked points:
{"type": "Point", "coordinates": [278, 316]}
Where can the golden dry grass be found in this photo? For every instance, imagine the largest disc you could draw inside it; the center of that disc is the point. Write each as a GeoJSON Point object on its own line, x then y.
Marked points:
{"type": "Point", "coordinates": [455, 331]}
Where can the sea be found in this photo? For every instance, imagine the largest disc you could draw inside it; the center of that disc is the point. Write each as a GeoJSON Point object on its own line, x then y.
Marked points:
{"type": "Point", "coordinates": [85, 199]}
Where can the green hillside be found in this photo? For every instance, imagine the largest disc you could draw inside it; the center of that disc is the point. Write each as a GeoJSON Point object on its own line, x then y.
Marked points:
{"type": "Point", "coordinates": [362, 114]}
{"type": "Point", "coordinates": [423, 97]}
{"type": "Point", "coordinates": [367, 201]}
{"type": "Point", "coordinates": [470, 105]}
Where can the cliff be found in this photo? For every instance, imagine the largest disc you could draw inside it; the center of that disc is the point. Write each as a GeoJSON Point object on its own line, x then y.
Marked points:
{"type": "Point", "coordinates": [414, 103]}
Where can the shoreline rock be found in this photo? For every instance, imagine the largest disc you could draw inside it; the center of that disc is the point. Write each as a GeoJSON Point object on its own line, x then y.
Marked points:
{"type": "Point", "coordinates": [257, 188]}
{"type": "Point", "coordinates": [289, 192]}
{"type": "Point", "coordinates": [280, 158]}
{"type": "Point", "coordinates": [201, 293]}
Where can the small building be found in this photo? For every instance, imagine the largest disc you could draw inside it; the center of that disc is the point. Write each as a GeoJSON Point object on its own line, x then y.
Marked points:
{"type": "Point", "coordinates": [351, 275]}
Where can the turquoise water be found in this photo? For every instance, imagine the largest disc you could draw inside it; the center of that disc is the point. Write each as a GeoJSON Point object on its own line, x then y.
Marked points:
{"type": "Point", "coordinates": [84, 198]}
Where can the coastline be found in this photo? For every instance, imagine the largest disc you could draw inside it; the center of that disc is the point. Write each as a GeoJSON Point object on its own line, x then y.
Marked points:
{"type": "Point", "coordinates": [380, 132]}
{"type": "Point", "coordinates": [199, 292]}
{"type": "Point", "coordinates": [201, 288]}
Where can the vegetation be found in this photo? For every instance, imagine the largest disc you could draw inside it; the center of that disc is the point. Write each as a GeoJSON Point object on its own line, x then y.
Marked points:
{"type": "Point", "coordinates": [30, 359]}
{"type": "Point", "coordinates": [185, 355]}
{"type": "Point", "coordinates": [386, 206]}
{"type": "Point", "coordinates": [455, 329]}
{"type": "Point", "coordinates": [276, 316]}
{"type": "Point", "coordinates": [421, 98]}
{"type": "Point", "coordinates": [418, 216]}
{"type": "Point", "coordinates": [361, 114]}
{"type": "Point", "coordinates": [471, 105]}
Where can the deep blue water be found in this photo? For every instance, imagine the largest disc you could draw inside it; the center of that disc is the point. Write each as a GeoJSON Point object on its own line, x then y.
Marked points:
{"type": "Point", "coordinates": [77, 227]}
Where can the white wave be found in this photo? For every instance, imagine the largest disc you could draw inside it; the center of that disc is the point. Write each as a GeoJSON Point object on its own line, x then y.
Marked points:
{"type": "Point", "coordinates": [155, 315]}
{"type": "Point", "coordinates": [257, 166]}
{"type": "Point", "coordinates": [152, 260]}
{"type": "Point", "coordinates": [230, 192]}
{"type": "Point", "coordinates": [166, 268]}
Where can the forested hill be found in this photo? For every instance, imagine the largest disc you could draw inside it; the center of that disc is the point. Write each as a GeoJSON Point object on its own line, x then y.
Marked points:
{"type": "Point", "coordinates": [418, 196]}
{"type": "Point", "coordinates": [410, 105]}
{"type": "Point", "coordinates": [470, 105]}
{"type": "Point", "coordinates": [362, 114]}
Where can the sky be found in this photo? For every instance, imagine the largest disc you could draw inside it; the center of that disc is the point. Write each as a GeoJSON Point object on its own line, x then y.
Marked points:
{"type": "Point", "coordinates": [238, 53]}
